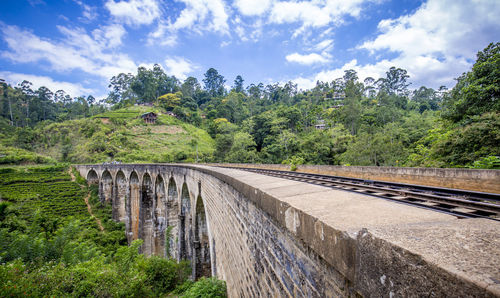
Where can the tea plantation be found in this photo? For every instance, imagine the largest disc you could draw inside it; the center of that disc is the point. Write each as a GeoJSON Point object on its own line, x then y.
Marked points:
{"type": "Point", "coordinates": [48, 189]}
{"type": "Point", "coordinates": [51, 246]}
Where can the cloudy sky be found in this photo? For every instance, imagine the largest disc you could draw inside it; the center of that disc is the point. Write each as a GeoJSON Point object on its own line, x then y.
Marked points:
{"type": "Point", "coordinates": [79, 45]}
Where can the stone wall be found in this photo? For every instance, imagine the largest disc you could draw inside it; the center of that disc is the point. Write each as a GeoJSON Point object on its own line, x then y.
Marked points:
{"type": "Point", "coordinates": [268, 236]}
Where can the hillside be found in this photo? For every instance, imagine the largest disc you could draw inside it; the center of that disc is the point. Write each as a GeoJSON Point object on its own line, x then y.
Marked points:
{"type": "Point", "coordinates": [58, 240]}
{"type": "Point", "coordinates": [122, 135]}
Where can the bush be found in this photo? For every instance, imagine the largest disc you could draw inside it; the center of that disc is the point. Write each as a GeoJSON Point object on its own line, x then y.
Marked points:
{"type": "Point", "coordinates": [164, 275]}
{"type": "Point", "coordinates": [207, 287]}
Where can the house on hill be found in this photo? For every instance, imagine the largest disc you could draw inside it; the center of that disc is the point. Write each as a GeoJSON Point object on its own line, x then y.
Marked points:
{"type": "Point", "coordinates": [149, 117]}
{"type": "Point", "coordinates": [320, 125]}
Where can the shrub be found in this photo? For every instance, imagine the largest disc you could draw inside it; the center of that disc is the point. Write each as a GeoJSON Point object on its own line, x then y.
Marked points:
{"type": "Point", "coordinates": [207, 287]}
{"type": "Point", "coordinates": [164, 275]}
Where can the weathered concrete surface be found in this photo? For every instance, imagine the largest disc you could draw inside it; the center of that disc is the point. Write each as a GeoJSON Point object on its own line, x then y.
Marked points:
{"type": "Point", "coordinates": [272, 237]}
{"type": "Point", "coordinates": [470, 179]}
{"type": "Point", "coordinates": [467, 253]}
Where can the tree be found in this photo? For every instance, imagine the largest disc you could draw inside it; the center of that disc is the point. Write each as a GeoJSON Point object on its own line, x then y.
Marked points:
{"type": "Point", "coordinates": [120, 88]}
{"type": "Point", "coordinates": [164, 83]}
{"type": "Point", "coordinates": [238, 84]}
{"type": "Point", "coordinates": [170, 100]}
{"type": "Point", "coordinates": [477, 91]}
{"type": "Point", "coordinates": [190, 87]}
{"type": "Point", "coordinates": [425, 99]}
{"type": "Point", "coordinates": [351, 111]}
{"type": "Point", "coordinates": [242, 149]}
{"type": "Point", "coordinates": [395, 81]}
{"type": "Point", "coordinates": [214, 83]}
{"type": "Point", "coordinates": [145, 85]}
{"type": "Point", "coordinates": [256, 91]}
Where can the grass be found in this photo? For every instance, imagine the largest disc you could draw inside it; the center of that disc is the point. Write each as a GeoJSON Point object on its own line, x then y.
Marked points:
{"type": "Point", "coordinates": [123, 136]}
{"type": "Point", "coordinates": [127, 113]}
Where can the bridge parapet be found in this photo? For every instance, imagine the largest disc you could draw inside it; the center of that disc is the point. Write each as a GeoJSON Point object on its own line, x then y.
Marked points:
{"type": "Point", "coordinates": [268, 236]}
{"type": "Point", "coordinates": [469, 179]}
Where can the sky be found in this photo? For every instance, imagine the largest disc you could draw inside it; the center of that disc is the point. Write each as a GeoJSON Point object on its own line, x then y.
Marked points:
{"type": "Point", "coordinates": [78, 45]}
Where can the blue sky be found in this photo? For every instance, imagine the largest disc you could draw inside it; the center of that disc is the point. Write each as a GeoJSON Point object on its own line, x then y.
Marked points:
{"type": "Point", "coordinates": [78, 45]}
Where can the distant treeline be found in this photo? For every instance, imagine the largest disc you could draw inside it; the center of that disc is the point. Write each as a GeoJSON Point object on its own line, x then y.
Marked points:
{"type": "Point", "coordinates": [377, 121]}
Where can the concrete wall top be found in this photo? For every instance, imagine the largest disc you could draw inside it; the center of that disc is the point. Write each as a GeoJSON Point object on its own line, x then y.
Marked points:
{"type": "Point", "coordinates": [469, 179]}
{"type": "Point", "coordinates": [363, 236]}
{"type": "Point", "coordinates": [384, 248]}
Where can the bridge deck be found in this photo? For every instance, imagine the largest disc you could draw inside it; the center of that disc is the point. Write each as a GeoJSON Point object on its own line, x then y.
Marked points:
{"type": "Point", "coordinates": [279, 237]}
{"type": "Point", "coordinates": [466, 248]}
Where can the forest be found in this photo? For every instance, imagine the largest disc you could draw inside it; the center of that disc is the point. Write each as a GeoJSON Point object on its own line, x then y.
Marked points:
{"type": "Point", "coordinates": [372, 122]}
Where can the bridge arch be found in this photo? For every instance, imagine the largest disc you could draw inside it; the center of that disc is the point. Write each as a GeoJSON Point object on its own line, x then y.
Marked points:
{"type": "Point", "coordinates": [185, 222]}
{"type": "Point", "coordinates": [146, 214]}
{"type": "Point", "coordinates": [201, 254]}
{"type": "Point", "coordinates": [268, 239]}
{"type": "Point", "coordinates": [172, 220]}
{"type": "Point", "coordinates": [135, 199]}
{"type": "Point", "coordinates": [106, 187]}
{"type": "Point", "coordinates": [92, 177]}
{"type": "Point", "coordinates": [160, 216]}
{"type": "Point", "coordinates": [120, 200]}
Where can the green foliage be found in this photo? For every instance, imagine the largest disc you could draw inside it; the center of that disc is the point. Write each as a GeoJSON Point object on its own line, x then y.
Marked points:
{"type": "Point", "coordinates": [164, 275]}
{"type": "Point", "coordinates": [52, 254]}
{"type": "Point", "coordinates": [488, 162]}
{"type": "Point", "coordinates": [170, 100]}
{"type": "Point", "coordinates": [465, 144]}
{"type": "Point", "coordinates": [13, 155]}
{"type": "Point", "coordinates": [207, 287]}
{"type": "Point", "coordinates": [294, 161]}
{"type": "Point", "coordinates": [378, 121]}
{"type": "Point", "coordinates": [118, 135]}
{"type": "Point", "coordinates": [478, 91]}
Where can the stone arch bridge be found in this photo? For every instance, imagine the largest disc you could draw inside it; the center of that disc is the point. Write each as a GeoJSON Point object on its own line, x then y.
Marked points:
{"type": "Point", "coordinates": [268, 236]}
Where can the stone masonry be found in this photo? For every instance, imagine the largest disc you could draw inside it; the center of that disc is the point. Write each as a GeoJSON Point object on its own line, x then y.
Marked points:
{"type": "Point", "coordinates": [268, 236]}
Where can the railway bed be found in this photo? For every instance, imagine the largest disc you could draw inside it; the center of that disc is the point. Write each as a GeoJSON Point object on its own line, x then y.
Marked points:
{"type": "Point", "coordinates": [457, 202]}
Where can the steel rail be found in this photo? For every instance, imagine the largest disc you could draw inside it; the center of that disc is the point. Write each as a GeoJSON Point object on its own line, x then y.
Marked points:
{"type": "Point", "coordinates": [457, 202]}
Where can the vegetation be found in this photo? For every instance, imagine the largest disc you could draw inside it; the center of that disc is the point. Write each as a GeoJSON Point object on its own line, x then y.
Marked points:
{"type": "Point", "coordinates": [378, 121]}
{"type": "Point", "coordinates": [50, 246]}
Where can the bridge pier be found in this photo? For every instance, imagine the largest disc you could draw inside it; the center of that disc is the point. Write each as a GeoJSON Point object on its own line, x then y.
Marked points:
{"type": "Point", "coordinates": [268, 236]}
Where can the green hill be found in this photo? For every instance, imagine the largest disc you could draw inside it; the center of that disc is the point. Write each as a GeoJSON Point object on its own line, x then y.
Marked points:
{"type": "Point", "coordinates": [122, 135]}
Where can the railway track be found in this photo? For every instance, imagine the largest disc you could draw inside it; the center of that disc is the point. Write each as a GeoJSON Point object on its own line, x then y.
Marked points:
{"type": "Point", "coordinates": [457, 202]}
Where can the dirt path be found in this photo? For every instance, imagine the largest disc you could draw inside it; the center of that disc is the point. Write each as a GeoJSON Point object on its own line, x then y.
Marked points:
{"type": "Point", "coordinates": [86, 199]}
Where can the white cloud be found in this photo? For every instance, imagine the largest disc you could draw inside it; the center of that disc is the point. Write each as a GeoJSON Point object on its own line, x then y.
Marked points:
{"type": "Point", "coordinates": [315, 13]}
{"type": "Point", "coordinates": [179, 67]}
{"type": "Point", "coordinates": [436, 41]}
{"type": "Point", "coordinates": [435, 44]}
{"type": "Point", "coordinates": [36, 2]}
{"type": "Point", "coordinates": [39, 81]}
{"type": "Point", "coordinates": [252, 7]}
{"type": "Point", "coordinates": [308, 59]}
{"type": "Point", "coordinates": [76, 51]}
{"type": "Point", "coordinates": [163, 35]}
{"type": "Point", "coordinates": [198, 16]}
{"type": "Point", "coordinates": [197, 12]}
{"type": "Point", "coordinates": [225, 44]}
{"type": "Point", "coordinates": [89, 12]}
{"type": "Point", "coordinates": [110, 36]}
{"type": "Point", "coordinates": [325, 45]}
{"type": "Point", "coordinates": [134, 12]}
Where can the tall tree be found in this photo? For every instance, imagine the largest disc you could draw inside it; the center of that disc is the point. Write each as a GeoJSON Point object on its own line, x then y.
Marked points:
{"type": "Point", "coordinates": [238, 84]}
{"type": "Point", "coordinates": [214, 83]}
{"type": "Point", "coordinates": [120, 88]}
{"type": "Point", "coordinates": [395, 81]}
